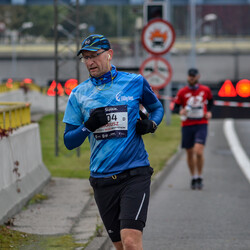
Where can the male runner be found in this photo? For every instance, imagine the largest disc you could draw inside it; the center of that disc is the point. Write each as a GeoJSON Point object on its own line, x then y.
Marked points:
{"type": "Point", "coordinates": [196, 101]}
{"type": "Point", "coordinates": [105, 108]}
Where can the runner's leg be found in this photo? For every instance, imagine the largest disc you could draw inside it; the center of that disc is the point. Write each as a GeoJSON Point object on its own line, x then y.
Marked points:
{"type": "Point", "coordinates": [131, 239]}
{"type": "Point", "coordinates": [200, 140]}
{"type": "Point", "coordinates": [118, 245]}
{"type": "Point", "coordinates": [191, 160]}
{"type": "Point", "coordinates": [199, 153]}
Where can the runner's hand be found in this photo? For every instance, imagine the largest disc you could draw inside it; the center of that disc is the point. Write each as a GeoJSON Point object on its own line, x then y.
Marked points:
{"type": "Point", "coordinates": [97, 119]}
{"type": "Point", "coordinates": [144, 125]}
{"type": "Point", "coordinates": [208, 115]}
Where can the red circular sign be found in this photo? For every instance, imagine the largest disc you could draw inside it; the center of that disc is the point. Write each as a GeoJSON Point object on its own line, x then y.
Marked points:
{"type": "Point", "coordinates": [243, 88]}
{"type": "Point", "coordinates": [158, 36]}
{"type": "Point", "coordinates": [157, 71]}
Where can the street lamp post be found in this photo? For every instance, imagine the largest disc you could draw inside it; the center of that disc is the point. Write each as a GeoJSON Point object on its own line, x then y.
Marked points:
{"type": "Point", "coordinates": [210, 17]}
{"type": "Point", "coordinates": [194, 27]}
{"type": "Point", "coordinates": [14, 37]}
{"type": "Point", "coordinates": [138, 28]}
{"type": "Point", "coordinates": [26, 25]}
{"type": "Point", "coordinates": [13, 55]}
{"type": "Point", "coordinates": [193, 33]}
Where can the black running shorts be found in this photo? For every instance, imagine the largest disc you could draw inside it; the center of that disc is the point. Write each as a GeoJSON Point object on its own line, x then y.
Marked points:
{"type": "Point", "coordinates": [123, 203]}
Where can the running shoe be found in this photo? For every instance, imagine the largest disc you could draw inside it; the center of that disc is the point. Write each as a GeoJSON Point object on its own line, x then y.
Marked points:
{"type": "Point", "coordinates": [193, 183]}
{"type": "Point", "coordinates": [199, 183]}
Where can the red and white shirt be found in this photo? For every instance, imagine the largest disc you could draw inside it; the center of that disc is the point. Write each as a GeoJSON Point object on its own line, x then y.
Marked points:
{"type": "Point", "coordinates": [195, 100]}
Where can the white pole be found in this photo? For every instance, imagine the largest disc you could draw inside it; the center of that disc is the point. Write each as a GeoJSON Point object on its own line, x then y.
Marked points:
{"type": "Point", "coordinates": [168, 88]}
{"type": "Point", "coordinates": [193, 33]}
{"type": "Point", "coordinates": [14, 56]}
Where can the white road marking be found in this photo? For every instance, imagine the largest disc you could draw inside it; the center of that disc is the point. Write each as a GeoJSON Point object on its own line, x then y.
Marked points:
{"type": "Point", "coordinates": [236, 147]}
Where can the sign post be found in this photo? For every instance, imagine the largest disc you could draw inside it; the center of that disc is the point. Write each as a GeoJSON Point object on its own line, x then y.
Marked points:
{"type": "Point", "coordinates": [158, 37]}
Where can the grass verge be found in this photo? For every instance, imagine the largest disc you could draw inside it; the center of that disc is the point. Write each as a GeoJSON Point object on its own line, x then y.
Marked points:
{"type": "Point", "coordinates": [11, 239]}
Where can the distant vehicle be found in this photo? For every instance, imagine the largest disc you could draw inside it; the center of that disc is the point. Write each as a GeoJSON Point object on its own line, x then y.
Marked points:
{"type": "Point", "coordinates": [158, 42]}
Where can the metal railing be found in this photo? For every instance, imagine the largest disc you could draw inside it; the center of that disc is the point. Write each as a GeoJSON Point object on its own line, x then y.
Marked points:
{"type": "Point", "coordinates": [19, 85]}
{"type": "Point", "coordinates": [3, 88]}
{"type": "Point", "coordinates": [14, 114]}
{"type": "Point", "coordinates": [9, 86]}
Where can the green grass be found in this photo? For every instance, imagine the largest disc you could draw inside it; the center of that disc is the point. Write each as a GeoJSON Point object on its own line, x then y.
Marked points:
{"type": "Point", "coordinates": [16, 240]}
{"type": "Point", "coordinates": [160, 147]}
{"type": "Point", "coordinates": [67, 163]}
{"type": "Point", "coordinates": [11, 239]}
{"type": "Point", "coordinates": [163, 143]}
{"type": "Point", "coordinates": [37, 198]}
{"type": "Point", "coordinates": [62, 242]}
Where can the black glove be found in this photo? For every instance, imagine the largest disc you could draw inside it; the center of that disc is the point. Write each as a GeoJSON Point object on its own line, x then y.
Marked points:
{"type": "Point", "coordinates": [97, 119]}
{"type": "Point", "coordinates": [145, 125]}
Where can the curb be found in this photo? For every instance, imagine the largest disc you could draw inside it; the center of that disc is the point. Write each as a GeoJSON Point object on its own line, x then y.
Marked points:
{"type": "Point", "coordinates": [104, 243]}
{"type": "Point", "coordinates": [101, 243]}
{"type": "Point", "coordinates": [159, 177]}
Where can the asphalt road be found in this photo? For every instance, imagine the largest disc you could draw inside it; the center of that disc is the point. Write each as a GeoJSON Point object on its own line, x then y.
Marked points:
{"type": "Point", "coordinates": [243, 130]}
{"type": "Point", "coordinates": [215, 218]}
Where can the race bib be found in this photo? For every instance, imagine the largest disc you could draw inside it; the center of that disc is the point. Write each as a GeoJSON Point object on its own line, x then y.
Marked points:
{"type": "Point", "coordinates": [117, 123]}
{"type": "Point", "coordinates": [195, 113]}
{"type": "Point", "coordinates": [196, 110]}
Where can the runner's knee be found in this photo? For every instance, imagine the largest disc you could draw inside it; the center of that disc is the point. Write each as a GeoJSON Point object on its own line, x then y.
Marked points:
{"type": "Point", "coordinates": [198, 149]}
{"type": "Point", "coordinates": [131, 238]}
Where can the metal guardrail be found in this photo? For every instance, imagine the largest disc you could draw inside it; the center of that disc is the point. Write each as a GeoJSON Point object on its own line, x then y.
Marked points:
{"type": "Point", "coordinates": [5, 87]}
{"type": "Point", "coordinates": [14, 114]}
{"type": "Point", "coordinates": [9, 86]}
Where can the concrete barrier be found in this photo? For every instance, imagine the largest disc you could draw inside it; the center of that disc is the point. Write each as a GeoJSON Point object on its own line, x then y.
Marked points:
{"type": "Point", "coordinates": [22, 170]}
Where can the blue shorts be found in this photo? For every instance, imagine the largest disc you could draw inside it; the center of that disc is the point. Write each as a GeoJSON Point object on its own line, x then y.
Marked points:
{"type": "Point", "coordinates": [193, 134]}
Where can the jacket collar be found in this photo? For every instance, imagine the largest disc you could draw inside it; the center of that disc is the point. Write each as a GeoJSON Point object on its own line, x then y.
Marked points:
{"type": "Point", "coordinates": [107, 77]}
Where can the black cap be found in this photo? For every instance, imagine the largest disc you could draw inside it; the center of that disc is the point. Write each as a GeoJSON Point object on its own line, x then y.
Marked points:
{"type": "Point", "coordinates": [193, 72]}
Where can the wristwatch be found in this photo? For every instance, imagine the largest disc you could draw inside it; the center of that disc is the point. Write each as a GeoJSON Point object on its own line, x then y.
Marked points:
{"type": "Point", "coordinates": [154, 126]}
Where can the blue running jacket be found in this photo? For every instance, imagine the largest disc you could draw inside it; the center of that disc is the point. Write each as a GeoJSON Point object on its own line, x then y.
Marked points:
{"type": "Point", "coordinates": [115, 147]}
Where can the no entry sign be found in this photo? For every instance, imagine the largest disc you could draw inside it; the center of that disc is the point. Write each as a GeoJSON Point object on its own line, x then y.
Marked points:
{"type": "Point", "coordinates": [158, 36]}
{"type": "Point", "coordinates": [157, 71]}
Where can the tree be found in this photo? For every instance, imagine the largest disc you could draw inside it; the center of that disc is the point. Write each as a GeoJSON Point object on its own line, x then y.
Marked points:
{"type": "Point", "coordinates": [102, 18]}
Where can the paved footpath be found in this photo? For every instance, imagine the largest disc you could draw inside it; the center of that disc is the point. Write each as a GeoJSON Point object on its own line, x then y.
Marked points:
{"type": "Point", "coordinates": [69, 209]}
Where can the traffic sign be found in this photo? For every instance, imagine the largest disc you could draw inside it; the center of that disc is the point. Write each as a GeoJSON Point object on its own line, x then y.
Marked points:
{"type": "Point", "coordinates": [158, 36]}
{"type": "Point", "coordinates": [228, 89]}
{"type": "Point", "coordinates": [157, 71]}
{"type": "Point", "coordinates": [232, 99]}
{"type": "Point", "coordinates": [70, 85]}
{"type": "Point", "coordinates": [243, 88]}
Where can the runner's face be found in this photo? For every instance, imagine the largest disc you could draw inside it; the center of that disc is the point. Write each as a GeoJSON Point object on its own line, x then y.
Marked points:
{"type": "Point", "coordinates": [97, 63]}
{"type": "Point", "coordinates": [192, 80]}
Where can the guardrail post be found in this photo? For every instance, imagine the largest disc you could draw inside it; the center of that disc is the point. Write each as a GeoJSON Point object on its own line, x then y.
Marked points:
{"type": "Point", "coordinates": [1, 120]}
{"type": "Point", "coordinates": [14, 115]}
